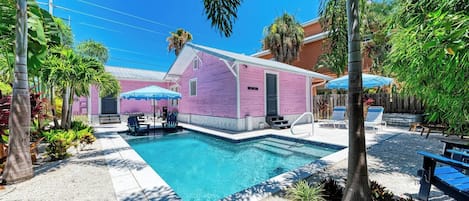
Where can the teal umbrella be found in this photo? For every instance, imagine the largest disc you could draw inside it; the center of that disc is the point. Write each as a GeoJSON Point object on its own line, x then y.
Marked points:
{"type": "Point", "coordinates": [151, 93]}
{"type": "Point", "coordinates": [368, 81]}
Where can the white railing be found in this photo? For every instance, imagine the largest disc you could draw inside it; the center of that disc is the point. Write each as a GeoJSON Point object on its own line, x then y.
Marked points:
{"type": "Point", "coordinates": [298, 119]}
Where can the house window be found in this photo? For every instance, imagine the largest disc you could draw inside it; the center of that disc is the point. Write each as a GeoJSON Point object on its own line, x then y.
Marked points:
{"type": "Point", "coordinates": [193, 87]}
{"type": "Point", "coordinates": [174, 102]}
{"type": "Point", "coordinates": [195, 64]}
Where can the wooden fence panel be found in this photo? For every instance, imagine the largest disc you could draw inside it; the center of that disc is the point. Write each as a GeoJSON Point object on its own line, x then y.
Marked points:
{"type": "Point", "coordinates": [392, 103]}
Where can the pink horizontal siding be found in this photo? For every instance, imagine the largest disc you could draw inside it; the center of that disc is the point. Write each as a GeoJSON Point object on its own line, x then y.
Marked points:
{"type": "Point", "coordinates": [94, 100]}
{"type": "Point", "coordinates": [80, 106]}
{"type": "Point", "coordinates": [291, 97]}
{"type": "Point", "coordinates": [292, 93]}
{"type": "Point", "coordinates": [216, 89]}
{"type": "Point", "coordinates": [252, 102]}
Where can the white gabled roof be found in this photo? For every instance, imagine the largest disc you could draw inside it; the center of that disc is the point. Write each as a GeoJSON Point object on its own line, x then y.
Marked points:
{"type": "Point", "coordinates": [135, 74]}
{"type": "Point", "coordinates": [190, 50]}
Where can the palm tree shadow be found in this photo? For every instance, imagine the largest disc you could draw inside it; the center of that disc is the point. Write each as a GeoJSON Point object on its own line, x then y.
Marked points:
{"type": "Point", "coordinates": [161, 193]}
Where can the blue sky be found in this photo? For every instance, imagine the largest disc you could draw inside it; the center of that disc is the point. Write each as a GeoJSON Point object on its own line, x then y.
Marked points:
{"type": "Point", "coordinates": [135, 31]}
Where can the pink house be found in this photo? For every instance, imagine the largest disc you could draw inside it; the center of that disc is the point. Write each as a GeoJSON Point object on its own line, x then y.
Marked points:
{"type": "Point", "coordinates": [236, 92]}
{"type": "Point", "coordinates": [130, 79]}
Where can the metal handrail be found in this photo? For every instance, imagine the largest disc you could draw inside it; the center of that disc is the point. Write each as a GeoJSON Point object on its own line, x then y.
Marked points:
{"type": "Point", "coordinates": [301, 116]}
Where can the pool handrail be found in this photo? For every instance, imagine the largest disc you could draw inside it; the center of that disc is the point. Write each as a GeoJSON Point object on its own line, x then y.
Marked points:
{"type": "Point", "coordinates": [300, 117]}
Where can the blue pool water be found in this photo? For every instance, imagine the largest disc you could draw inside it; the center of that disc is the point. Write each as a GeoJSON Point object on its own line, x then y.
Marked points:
{"type": "Point", "coordinates": [200, 167]}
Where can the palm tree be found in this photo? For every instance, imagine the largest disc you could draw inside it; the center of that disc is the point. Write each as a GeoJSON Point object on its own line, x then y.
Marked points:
{"type": "Point", "coordinates": [334, 20]}
{"type": "Point", "coordinates": [19, 166]}
{"type": "Point", "coordinates": [223, 12]}
{"type": "Point", "coordinates": [284, 38]}
{"type": "Point", "coordinates": [357, 187]}
{"type": "Point", "coordinates": [177, 40]}
{"type": "Point", "coordinates": [93, 49]}
{"type": "Point", "coordinates": [72, 74]}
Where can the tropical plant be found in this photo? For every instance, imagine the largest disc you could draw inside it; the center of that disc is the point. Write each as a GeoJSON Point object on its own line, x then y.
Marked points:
{"type": "Point", "coordinates": [379, 192]}
{"type": "Point", "coordinates": [65, 33]}
{"type": "Point", "coordinates": [93, 49]}
{"type": "Point", "coordinates": [302, 191]}
{"type": "Point", "coordinates": [72, 74]}
{"type": "Point", "coordinates": [177, 40]}
{"type": "Point", "coordinates": [332, 190]}
{"type": "Point", "coordinates": [284, 38]}
{"type": "Point", "coordinates": [334, 21]}
{"type": "Point", "coordinates": [59, 142]}
{"type": "Point", "coordinates": [374, 20]}
{"type": "Point", "coordinates": [429, 57]}
{"type": "Point", "coordinates": [357, 188]}
{"type": "Point", "coordinates": [5, 89]}
{"type": "Point", "coordinates": [85, 136]}
{"type": "Point", "coordinates": [222, 14]}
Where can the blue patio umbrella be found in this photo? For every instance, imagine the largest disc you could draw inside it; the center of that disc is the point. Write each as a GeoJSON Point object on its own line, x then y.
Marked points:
{"type": "Point", "coordinates": [151, 93]}
{"type": "Point", "coordinates": [368, 81]}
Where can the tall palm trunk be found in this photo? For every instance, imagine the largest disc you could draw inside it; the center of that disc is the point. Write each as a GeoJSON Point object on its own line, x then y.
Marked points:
{"type": "Point", "coordinates": [19, 165]}
{"type": "Point", "coordinates": [357, 178]}
{"type": "Point", "coordinates": [70, 108]}
{"type": "Point", "coordinates": [66, 99]}
{"type": "Point", "coordinates": [52, 107]}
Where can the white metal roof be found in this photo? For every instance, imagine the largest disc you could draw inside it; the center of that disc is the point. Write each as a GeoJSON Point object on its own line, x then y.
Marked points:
{"type": "Point", "coordinates": [190, 51]}
{"type": "Point", "coordinates": [135, 74]}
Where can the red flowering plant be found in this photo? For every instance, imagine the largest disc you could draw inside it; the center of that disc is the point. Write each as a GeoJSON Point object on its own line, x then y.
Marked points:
{"type": "Point", "coordinates": [38, 111]}
{"type": "Point", "coordinates": [367, 101]}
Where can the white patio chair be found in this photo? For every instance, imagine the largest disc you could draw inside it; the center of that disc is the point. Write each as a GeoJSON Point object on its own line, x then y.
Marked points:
{"type": "Point", "coordinates": [338, 116]}
{"type": "Point", "coordinates": [374, 117]}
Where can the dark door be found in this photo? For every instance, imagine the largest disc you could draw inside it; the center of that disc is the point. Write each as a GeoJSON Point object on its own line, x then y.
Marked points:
{"type": "Point", "coordinates": [271, 94]}
{"type": "Point", "coordinates": [108, 105]}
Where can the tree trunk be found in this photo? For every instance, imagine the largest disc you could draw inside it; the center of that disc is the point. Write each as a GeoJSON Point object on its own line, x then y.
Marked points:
{"type": "Point", "coordinates": [52, 107]}
{"type": "Point", "coordinates": [70, 108]}
{"type": "Point", "coordinates": [65, 100]}
{"type": "Point", "coordinates": [19, 166]}
{"type": "Point", "coordinates": [357, 187]}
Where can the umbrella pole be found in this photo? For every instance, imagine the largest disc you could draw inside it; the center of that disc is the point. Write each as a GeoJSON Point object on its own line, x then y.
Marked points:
{"type": "Point", "coordinates": [154, 116]}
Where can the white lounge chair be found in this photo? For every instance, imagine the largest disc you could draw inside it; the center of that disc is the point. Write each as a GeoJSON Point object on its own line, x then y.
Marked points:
{"type": "Point", "coordinates": [338, 116]}
{"type": "Point", "coordinates": [374, 117]}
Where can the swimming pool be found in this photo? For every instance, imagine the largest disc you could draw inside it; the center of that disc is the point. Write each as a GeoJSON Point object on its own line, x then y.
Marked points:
{"type": "Point", "coordinates": [201, 167]}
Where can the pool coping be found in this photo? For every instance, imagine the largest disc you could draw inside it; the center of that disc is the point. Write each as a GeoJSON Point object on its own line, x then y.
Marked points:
{"type": "Point", "coordinates": [142, 182]}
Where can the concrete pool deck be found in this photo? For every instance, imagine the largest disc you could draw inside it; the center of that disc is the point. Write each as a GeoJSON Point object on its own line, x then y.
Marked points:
{"type": "Point", "coordinates": [392, 161]}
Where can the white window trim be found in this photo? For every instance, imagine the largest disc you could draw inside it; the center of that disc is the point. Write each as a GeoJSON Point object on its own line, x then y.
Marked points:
{"type": "Point", "coordinates": [175, 87]}
{"type": "Point", "coordinates": [195, 64]}
{"type": "Point", "coordinates": [190, 88]}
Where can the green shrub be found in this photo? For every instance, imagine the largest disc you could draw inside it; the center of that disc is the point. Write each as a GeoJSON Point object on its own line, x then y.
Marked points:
{"type": "Point", "coordinates": [85, 136]}
{"type": "Point", "coordinates": [84, 133]}
{"type": "Point", "coordinates": [79, 125]}
{"type": "Point", "coordinates": [379, 193]}
{"type": "Point", "coordinates": [332, 190]}
{"type": "Point", "coordinates": [59, 142]}
{"type": "Point", "coordinates": [301, 191]}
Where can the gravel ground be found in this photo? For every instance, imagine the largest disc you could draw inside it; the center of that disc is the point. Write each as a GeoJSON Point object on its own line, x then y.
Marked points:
{"type": "Point", "coordinates": [83, 176]}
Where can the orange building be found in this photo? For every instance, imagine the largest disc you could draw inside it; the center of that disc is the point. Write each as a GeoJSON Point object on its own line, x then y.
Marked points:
{"type": "Point", "coordinates": [311, 50]}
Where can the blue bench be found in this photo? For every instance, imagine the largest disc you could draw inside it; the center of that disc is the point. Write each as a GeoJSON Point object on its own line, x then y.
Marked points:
{"type": "Point", "coordinates": [448, 178]}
